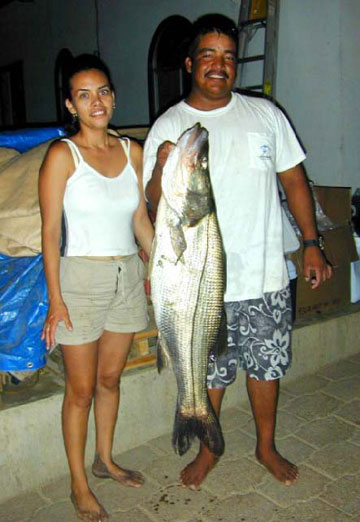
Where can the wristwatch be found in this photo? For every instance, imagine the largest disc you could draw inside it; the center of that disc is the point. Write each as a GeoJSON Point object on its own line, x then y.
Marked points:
{"type": "Point", "coordinates": [314, 242]}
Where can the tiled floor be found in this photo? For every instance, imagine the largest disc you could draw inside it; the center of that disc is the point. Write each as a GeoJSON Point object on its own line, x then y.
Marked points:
{"type": "Point", "coordinates": [318, 428]}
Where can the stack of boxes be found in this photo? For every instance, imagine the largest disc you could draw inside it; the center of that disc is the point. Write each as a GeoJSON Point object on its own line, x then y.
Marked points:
{"type": "Point", "coordinates": [340, 251]}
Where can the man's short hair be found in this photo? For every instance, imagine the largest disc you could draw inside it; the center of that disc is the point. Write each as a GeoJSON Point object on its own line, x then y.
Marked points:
{"type": "Point", "coordinates": [212, 23]}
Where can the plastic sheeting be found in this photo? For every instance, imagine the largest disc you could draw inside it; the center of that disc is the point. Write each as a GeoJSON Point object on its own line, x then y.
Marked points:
{"type": "Point", "coordinates": [20, 222]}
{"type": "Point", "coordinates": [24, 305]}
{"type": "Point", "coordinates": [25, 139]}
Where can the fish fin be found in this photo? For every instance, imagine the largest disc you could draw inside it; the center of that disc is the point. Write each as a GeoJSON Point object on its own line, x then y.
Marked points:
{"type": "Point", "coordinates": [162, 354]}
{"type": "Point", "coordinates": [206, 428]}
{"type": "Point", "coordinates": [220, 347]}
{"type": "Point", "coordinates": [178, 241]}
{"type": "Point", "coordinates": [151, 259]}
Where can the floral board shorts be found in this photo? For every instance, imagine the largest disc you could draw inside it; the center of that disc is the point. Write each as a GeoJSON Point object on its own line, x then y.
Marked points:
{"type": "Point", "coordinates": [258, 336]}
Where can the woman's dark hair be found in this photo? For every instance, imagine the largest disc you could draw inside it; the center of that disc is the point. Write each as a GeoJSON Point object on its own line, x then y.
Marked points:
{"type": "Point", "coordinates": [86, 62]}
{"type": "Point", "coordinates": [212, 23]}
{"type": "Point", "coordinates": [83, 62]}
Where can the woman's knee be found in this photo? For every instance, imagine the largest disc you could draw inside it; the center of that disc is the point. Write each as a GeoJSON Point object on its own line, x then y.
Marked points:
{"type": "Point", "coordinates": [80, 396]}
{"type": "Point", "coordinates": [108, 381]}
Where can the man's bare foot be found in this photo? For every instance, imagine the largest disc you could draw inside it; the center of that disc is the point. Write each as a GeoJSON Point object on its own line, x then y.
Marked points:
{"type": "Point", "coordinates": [281, 468]}
{"type": "Point", "coordinates": [195, 473]}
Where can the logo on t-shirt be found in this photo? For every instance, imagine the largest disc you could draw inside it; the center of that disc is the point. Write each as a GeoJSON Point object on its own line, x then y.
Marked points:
{"type": "Point", "coordinates": [265, 152]}
{"type": "Point", "coordinates": [261, 150]}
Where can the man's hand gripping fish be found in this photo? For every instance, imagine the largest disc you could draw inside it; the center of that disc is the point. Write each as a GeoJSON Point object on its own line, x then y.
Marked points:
{"type": "Point", "coordinates": [187, 284]}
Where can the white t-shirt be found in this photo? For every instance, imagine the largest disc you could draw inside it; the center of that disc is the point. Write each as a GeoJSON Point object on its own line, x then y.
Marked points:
{"type": "Point", "coordinates": [249, 141]}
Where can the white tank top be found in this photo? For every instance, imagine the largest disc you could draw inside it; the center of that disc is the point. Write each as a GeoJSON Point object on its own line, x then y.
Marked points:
{"type": "Point", "coordinates": [98, 211]}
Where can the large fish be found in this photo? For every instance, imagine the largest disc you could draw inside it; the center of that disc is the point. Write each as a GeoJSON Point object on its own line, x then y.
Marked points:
{"type": "Point", "coordinates": [187, 286]}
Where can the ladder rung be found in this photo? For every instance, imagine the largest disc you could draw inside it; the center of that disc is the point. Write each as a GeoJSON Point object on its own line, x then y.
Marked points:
{"type": "Point", "coordinates": [253, 87]}
{"type": "Point", "coordinates": [267, 20]}
{"type": "Point", "coordinates": [255, 58]}
{"type": "Point", "coordinates": [137, 362]}
{"type": "Point", "coordinates": [145, 335]}
{"type": "Point", "coordinates": [255, 21]}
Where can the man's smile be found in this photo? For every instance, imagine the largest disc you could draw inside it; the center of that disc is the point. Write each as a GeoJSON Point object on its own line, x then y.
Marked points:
{"type": "Point", "coordinates": [217, 74]}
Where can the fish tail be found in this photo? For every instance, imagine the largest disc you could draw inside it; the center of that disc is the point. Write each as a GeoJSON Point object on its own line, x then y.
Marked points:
{"type": "Point", "coordinates": [206, 428]}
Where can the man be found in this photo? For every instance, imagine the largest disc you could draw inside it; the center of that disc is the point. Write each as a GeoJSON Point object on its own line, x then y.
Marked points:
{"type": "Point", "coordinates": [250, 141]}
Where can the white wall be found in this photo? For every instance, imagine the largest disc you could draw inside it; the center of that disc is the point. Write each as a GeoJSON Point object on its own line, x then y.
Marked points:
{"type": "Point", "coordinates": [35, 32]}
{"type": "Point", "coordinates": [127, 28]}
{"type": "Point", "coordinates": [318, 64]}
{"type": "Point", "coordinates": [317, 83]}
{"type": "Point", "coordinates": [349, 140]}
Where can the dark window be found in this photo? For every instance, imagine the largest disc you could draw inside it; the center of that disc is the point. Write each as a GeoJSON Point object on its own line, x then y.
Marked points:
{"type": "Point", "coordinates": [12, 95]}
{"type": "Point", "coordinates": [61, 73]}
{"type": "Point", "coordinates": [168, 80]}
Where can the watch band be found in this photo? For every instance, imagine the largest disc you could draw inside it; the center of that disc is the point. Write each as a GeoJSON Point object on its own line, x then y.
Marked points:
{"type": "Point", "coordinates": [314, 242]}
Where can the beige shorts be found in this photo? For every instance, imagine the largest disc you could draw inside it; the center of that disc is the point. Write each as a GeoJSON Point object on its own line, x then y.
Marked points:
{"type": "Point", "coordinates": [102, 295]}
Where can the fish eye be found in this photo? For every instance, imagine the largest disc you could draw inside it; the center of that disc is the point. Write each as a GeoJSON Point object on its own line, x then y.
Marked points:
{"type": "Point", "coordinates": [204, 163]}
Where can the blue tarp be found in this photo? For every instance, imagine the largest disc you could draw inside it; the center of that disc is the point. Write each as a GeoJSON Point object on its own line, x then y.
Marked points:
{"type": "Point", "coordinates": [23, 308]}
{"type": "Point", "coordinates": [25, 139]}
{"type": "Point", "coordinates": [23, 292]}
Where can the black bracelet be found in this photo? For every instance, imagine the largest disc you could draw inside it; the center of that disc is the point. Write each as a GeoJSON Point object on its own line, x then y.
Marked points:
{"type": "Point", "coordinates": [314, 242]}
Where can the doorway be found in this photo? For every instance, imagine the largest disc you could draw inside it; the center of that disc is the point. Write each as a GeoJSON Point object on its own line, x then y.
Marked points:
{"type": "Point", "coordinates": [12, 95]}
{"type": "Point", "coordinates": [168, 80]}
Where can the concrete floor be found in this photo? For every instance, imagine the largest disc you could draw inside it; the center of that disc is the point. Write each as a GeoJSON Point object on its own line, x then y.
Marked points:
{"type": "Point", "coordinates": [318, 428]}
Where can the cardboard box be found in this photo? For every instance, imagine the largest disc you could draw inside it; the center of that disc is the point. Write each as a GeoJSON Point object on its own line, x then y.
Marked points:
{"type": "Point", "coordinates": [339, 250]}
{"type": "Point", "coordinates": [335, 203]}
{"type": "Point", "coordinates": [334, 293]}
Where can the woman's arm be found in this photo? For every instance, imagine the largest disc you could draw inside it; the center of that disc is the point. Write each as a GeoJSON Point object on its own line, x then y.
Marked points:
{"type": "Point", "coordinates": [54, 173]}
{"type": "Point", "coordinates": [143, 229]}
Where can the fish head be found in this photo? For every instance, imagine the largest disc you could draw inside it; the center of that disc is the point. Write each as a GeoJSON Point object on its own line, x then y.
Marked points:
{"type": "Point", "coordinates": [186, 181]}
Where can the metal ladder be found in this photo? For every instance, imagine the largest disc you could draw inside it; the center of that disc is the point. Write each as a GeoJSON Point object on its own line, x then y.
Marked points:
{"type": "Point", "coordinates": [255, 15]}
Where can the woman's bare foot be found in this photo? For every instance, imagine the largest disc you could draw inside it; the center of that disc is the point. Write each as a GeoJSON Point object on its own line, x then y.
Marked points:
{"type": "Point", "coordinates": [126, 477]}
{"type": "Point", "coordinates": [278, 466]}
{"type": "Point", "coordinates": [195, 473]}
{"type": "Point", "coordinates": [87, 506]}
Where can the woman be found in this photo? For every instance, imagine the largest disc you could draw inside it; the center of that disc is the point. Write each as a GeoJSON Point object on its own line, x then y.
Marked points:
{"type": "Point", "coordinates": [92, 202]}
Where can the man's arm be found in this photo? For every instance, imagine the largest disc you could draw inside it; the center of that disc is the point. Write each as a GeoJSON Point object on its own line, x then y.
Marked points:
{"type": "Point", "coordinates": [153, 188]}
{"type": "Point", "coordinates": [301, 205]}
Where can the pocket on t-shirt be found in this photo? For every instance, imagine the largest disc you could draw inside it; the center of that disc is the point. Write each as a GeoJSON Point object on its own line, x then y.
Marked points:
{"type": "Point", "coordinates": [261, 150]}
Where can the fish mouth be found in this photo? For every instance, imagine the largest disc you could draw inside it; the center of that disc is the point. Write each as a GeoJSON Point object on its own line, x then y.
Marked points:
{"type": "Point", "coordinates": [193, 147]}
{"type": "Point", "coordinates": [187, 186]}
{"type": "Point", "coordinates": [193, 140]}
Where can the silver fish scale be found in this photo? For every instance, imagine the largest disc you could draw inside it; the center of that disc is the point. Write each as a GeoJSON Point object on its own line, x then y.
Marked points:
{"type": "Point", "coordinates": [187, 295]}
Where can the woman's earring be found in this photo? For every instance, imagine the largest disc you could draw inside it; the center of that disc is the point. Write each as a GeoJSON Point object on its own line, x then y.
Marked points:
{"type": "Point", "coordinates": [114, 105]}
{"type": "Point", "coordinates": [75, 117]}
